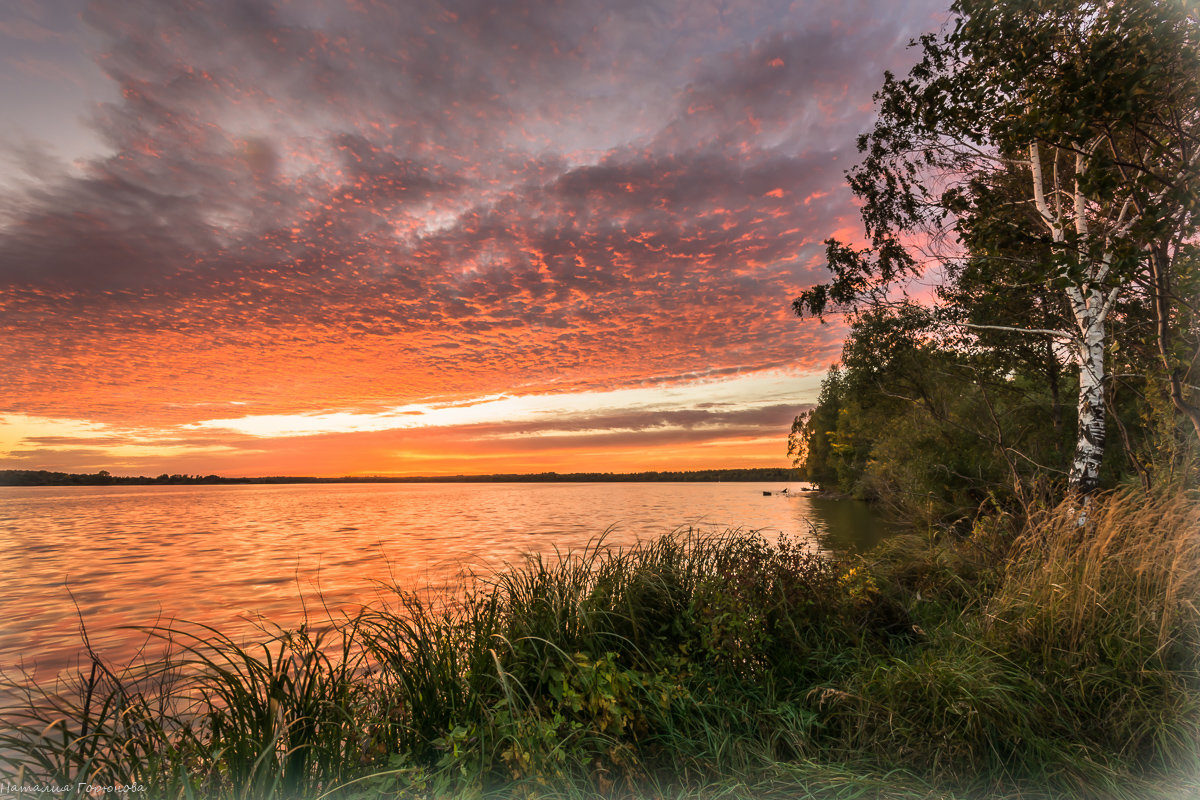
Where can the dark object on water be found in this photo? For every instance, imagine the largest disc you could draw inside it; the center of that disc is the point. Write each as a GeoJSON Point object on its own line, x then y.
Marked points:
{"type": "Point", "coordinates": [766, 494]}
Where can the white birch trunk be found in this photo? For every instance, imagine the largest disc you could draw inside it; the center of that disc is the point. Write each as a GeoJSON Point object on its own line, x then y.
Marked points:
{"type": "Point", "coordinates": [1090, 308]}
{"type": "Point", "coordinates": [1091, 431]}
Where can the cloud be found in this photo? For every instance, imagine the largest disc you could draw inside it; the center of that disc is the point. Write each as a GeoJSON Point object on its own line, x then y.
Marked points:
{"type": "Point", "coordinates": [354, 206]}
{"type": "Point", "coordinates": [669, 421]}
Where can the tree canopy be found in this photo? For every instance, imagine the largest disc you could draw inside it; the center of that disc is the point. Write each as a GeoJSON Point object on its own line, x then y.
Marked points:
{"type": "Point", "coordinates": [1041, 159]}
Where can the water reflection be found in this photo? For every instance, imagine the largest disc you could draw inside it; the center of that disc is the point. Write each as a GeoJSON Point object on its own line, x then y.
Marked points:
{"type": "Point", "coordinates": [847, 525]}
{"type": "Point", "coordinates": [230, 555]}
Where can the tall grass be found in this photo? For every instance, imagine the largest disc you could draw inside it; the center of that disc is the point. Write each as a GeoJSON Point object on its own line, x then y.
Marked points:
{"type": "Point", "coordinates": [1076, 671]}
{"type": "Point", "coordinates": [1108, 615]}
{"type": "Point", "coordinates": [1037, 659]}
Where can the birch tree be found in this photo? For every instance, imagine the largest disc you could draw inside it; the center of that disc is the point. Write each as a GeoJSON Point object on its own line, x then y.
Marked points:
{"type": "Point", "coordinates": [1091, 113]}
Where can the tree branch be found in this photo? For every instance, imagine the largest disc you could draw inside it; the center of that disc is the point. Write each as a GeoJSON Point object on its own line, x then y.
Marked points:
{"type": "Point", "coordinates": [1039, 192]}
{"type": "Point", "coordinates": [1038, 331]}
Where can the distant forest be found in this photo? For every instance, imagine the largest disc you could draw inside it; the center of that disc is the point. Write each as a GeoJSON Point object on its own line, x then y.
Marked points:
{"type": "Point", "coordinates": [26, 477]}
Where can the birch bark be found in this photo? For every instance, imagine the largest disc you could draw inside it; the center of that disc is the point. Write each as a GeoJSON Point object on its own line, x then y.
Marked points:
{"type": "Point", "coordinates": [1090, 306]}
{"type": "Point", "coordinates": [1091, 431]}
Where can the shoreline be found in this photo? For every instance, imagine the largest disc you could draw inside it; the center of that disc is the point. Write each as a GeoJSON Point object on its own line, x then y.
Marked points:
{"type": "Point", "coordinates": [598, 672]}
{"type": "Point", "coordinates": [103, 478]}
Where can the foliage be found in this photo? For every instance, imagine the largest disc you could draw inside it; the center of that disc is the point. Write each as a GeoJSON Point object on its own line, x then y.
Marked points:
{"type": "Point", "coordinates": [1077, 651]}
{"type": "Point", "coordinates": [1048, 147]}
{"type": "Point", "coordinates": [935, 432]}
{"type": "Point", "coordinates": [1030, 658]}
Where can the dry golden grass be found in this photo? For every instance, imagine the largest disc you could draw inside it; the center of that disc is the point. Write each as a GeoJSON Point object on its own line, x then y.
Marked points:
{"type": "Point", "coordinates": [1133, 554]}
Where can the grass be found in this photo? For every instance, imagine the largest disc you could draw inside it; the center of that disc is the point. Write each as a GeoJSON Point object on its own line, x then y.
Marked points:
{"type": "Point", "coordinates": [1032, 659]}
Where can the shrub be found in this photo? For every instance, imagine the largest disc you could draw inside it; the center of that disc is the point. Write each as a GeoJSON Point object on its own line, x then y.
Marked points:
{"type": "Point", "coordinates": [1064, 663]}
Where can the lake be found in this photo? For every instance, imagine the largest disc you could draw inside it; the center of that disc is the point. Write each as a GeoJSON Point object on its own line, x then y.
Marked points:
{"type": "Point", "coordinates": [229, 556]}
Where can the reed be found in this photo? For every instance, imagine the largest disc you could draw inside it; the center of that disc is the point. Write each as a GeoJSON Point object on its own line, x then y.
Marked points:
{"type": "Point", "coordinates": [1037, 658]}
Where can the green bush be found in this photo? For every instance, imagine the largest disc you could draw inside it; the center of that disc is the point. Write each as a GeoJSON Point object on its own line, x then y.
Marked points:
{"type": "Point", "coordinates": [1064, 662]}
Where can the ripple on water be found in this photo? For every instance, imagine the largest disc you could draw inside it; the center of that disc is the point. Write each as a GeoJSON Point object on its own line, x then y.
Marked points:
{"type": "Point", "coordinates": [212, 553]}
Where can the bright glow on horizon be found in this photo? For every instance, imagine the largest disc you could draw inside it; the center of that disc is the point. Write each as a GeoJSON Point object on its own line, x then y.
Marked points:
{"type": "Point", "coordinates": [21, 430]}
{"type": "Point", "coordinates": [765, 388]}
{"type": "Point", "coordinates": [490, 433]}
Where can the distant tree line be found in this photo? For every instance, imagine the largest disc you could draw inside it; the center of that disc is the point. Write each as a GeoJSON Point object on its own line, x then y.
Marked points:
{"type": "Point", "coordinates": [41, 477]}
{"type": "Point", "coordinates": [21, 477]}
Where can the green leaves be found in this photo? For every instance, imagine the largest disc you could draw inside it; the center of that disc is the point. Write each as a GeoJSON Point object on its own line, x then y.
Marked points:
{"type": "Point", "coordinates": [1041, 161]}
{"type": "Point", "coordinates": [857, 274]}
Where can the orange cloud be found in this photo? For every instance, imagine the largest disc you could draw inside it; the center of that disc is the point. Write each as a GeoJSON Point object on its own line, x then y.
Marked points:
{"type": "Point", "coordinates": [331, 216]}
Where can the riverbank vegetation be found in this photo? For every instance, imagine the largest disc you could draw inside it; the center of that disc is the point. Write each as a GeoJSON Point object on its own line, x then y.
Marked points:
{"type": "Point", "coordinates": [1024, 314]}
{"type": "Point", "coordinates": [1032, 658]}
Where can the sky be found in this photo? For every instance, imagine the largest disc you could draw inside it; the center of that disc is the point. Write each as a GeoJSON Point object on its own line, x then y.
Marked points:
{"type": "Point", "coordinates": [369, 237]}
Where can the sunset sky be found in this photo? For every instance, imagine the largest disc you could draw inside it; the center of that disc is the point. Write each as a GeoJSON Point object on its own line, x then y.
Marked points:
{"type": "Point", "coordinates": [349, 237]}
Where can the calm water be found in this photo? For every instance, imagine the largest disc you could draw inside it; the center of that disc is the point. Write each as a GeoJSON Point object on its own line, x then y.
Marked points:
{"type": "Point", "coordinates": [230, 555]}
